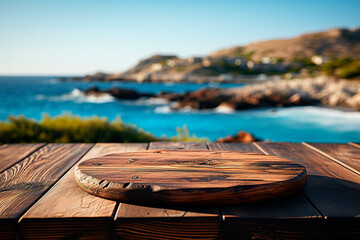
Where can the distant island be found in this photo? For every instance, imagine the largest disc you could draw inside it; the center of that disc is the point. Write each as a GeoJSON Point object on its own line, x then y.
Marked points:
{"type": "Point", "coordinates": [335, 53]}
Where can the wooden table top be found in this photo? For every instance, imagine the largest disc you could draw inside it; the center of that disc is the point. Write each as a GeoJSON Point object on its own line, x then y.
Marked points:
{"type": "Point", "coordinates": [39, 198]}
{"type": "Point", "coordinates": [190, 177]}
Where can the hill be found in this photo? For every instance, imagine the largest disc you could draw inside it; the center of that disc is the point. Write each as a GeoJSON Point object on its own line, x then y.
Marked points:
{"type": "Point", "coordinates": [335, 43]}
{"type": "Point", "coordinates": [335, 52]}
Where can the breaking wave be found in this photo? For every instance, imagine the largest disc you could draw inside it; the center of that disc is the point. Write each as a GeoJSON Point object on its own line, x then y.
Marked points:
{"type": "Point", "coordinates": [163, 109]}
{"type": "Point", "coordinates": [77, 96]}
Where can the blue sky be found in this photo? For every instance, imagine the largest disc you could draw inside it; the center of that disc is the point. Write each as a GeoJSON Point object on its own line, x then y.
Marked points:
{"type": "Point", "coordinates": [70, 37]}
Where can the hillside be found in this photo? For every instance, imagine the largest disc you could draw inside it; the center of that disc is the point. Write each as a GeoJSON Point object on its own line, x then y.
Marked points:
{"type": "Point", "coordinates": [336, 43]}
{"type": "Point", "coordinates": [333, 53]}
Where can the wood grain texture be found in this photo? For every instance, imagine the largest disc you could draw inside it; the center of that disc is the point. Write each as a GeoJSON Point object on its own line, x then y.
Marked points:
{"type": "Point", "coordinates": [190, 177]}
{"type": "Point", "coordinates": [289, 218]}
{"type": "Point", "coordinates": [332, 189]}
{"type": "Point", "coordinates": [66, 228]}
{"type": "Point", "coordinates": [11, 154]}
{"type": "Point", "coordinates": [139, 222]}
{"type": "Point", "coordinates": [22, 184]}
{"type": "Point", "coordinates": [66, 210]}
{"type": "Point", "coordinates": [241, 147]}
{"type": "Point", "coordinates": [344, 154]}
{"type": "Point", "coordinates": [177, 145]}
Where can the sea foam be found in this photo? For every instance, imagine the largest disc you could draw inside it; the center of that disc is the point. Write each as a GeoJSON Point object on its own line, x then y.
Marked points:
{"type": "Point", "coordinates": [163, 109]}
{"type": "Point", "coordinates": [329, 117]}
{"type": "Point", "coordinates": [78, 96]}
{"type": "Point", "coordinates": [224, 109]}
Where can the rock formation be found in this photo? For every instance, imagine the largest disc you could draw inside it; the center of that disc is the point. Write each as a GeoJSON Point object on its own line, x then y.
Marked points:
{"type": "Point", "coordinates": [240, 137]}
{"type": "Point", "coordinates": [285, 93]}
{"type": "Point", "coordinates": [300, 92]}
{"type": "Point", "coordinates": [119, 93]}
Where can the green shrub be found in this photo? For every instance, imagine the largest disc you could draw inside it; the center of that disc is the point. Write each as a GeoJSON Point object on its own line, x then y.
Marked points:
{"type": "Point", "coordinates": [72, 129]}
{"type": "Point", "coordinates": [69, 128]}
{"type": "Point", "coordinates": [330, 67]}
{"type": "Point", "coordinates": [343, 68]}
{"type": "Point", "coordinates": [184, 135]}
{"type": "Point", "coordinates": [349, 71]}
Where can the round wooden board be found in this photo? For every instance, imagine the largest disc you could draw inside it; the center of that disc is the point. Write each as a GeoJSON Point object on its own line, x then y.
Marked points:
{"type": "Point", "coordinates": [190, 177]}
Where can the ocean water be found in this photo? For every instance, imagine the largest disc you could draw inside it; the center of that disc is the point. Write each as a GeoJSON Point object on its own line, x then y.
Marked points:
{"type": "Point", "coordinates": [35, 96]}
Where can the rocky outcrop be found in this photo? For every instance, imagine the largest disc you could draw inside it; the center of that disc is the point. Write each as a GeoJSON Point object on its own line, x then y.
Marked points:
{"type": "Point", "coordinates": [202, 99]}
{"type": "Point", "coordinates": [119, 93]}
{"type": "Point", "coordinates": [300, 92]}
{"type": "Point", "coordinates": [285, 93]}
{"type": "Point", "coordinates": [240, 137]}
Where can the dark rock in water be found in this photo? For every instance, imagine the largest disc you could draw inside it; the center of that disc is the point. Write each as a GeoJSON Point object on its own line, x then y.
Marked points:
{"type": "Point", "coordinates": [119, 93]}
{"type": "Point", "coordinates": [240, 137]}
{"type": "Point", "coordinates": [203, 99]}
{"type": "Point", "coordinates": [170, 96]}
{"type": "Point", "coordinates": [92, 90]}
{"type": "Point", "coordinates": [123, 93]}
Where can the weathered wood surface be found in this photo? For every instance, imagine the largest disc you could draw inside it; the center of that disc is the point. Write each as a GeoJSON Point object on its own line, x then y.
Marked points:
{"type": "Point", "coordinates": [190, 177]}
{"type": "Point", "coordinates": [333, 189]}
{"type": "Point", "coordinates": [326, 179]}
{"type": "Point", "coordinates": [344, 154]}
{"type": "Point", "coordinates": [289, 218]}
{"type": "Point", "coordinates": [87, 216]}
{"type": "Point", "coordinates": [13, 153]}
{"type": "Point", "coordinates": [27, 180]}
{"type": "Point", "coordinates": [327, 208]}
{"type": "Point", "coordinates": [139, 222]}
{"type": "Point", "coordinates": [23, 183]}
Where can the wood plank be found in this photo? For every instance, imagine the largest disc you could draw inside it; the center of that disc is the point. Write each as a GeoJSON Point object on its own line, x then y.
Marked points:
{"type": "Point", "coordinates": [344, 154]}
{"type": "Point", "coordinates": [66, 210]}
{"type": "Point", "coordinates": [139, 222]}
{"type": "Point", "coordinates": [241, 147]}
{"type": "Point", "coordinates": [333, 189]}
{"type": "Point", "coordinates": [177, 145]}
{"type": "Point", "coordinates": [190, 177]}
{"type": "Point", "coordinates": [354, 144]}
{"type": "Point", "coordinates": [11, 154]}
{"type": "Point", "coordinates": [22, 184]}
{"type": "Point", "coordinates": [288, 218]}
{"type": "Point", "coordinates": [326, 180]}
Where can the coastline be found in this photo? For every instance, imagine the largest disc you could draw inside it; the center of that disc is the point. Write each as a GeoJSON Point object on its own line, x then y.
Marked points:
{"type": "Point", "coordinates": [284, 124]}
{"type": "Point", "coordinates": [320, 91]}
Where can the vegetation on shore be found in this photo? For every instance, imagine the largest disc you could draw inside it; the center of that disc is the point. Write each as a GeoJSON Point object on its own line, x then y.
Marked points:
{"type": "Point", "coordinates": [342, 68]}
{"type": "Point", "coordinates": [73, 129]}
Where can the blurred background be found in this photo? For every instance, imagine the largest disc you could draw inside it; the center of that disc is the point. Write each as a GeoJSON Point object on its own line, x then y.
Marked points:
{"type": "Point", "coordinates": [136, 71]}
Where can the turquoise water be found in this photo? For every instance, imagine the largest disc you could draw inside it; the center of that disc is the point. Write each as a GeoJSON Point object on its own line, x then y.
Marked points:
{"type": "Point", "coordinates": [34, 96]}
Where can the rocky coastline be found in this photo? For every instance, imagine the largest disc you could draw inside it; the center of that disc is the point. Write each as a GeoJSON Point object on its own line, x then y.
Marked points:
{"type": "Point", "coordinates": [118, 93]}
{"type": "Point", "coordinates": [322, 91]}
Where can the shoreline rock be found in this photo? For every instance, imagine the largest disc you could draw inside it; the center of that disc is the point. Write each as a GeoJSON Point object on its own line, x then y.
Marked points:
{"type": "Point", "coordinates": [240, 137]}
{"type": "Point", "coordinates": [119, 93]}
{"type": "Point", "coordinates": [320, 91]}
{"type": "Point", "coordinates": [300, 92]}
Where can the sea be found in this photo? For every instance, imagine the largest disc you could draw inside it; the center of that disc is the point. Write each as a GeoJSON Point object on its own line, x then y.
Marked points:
{"type": "Point", "coordinates": [35, 96]}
